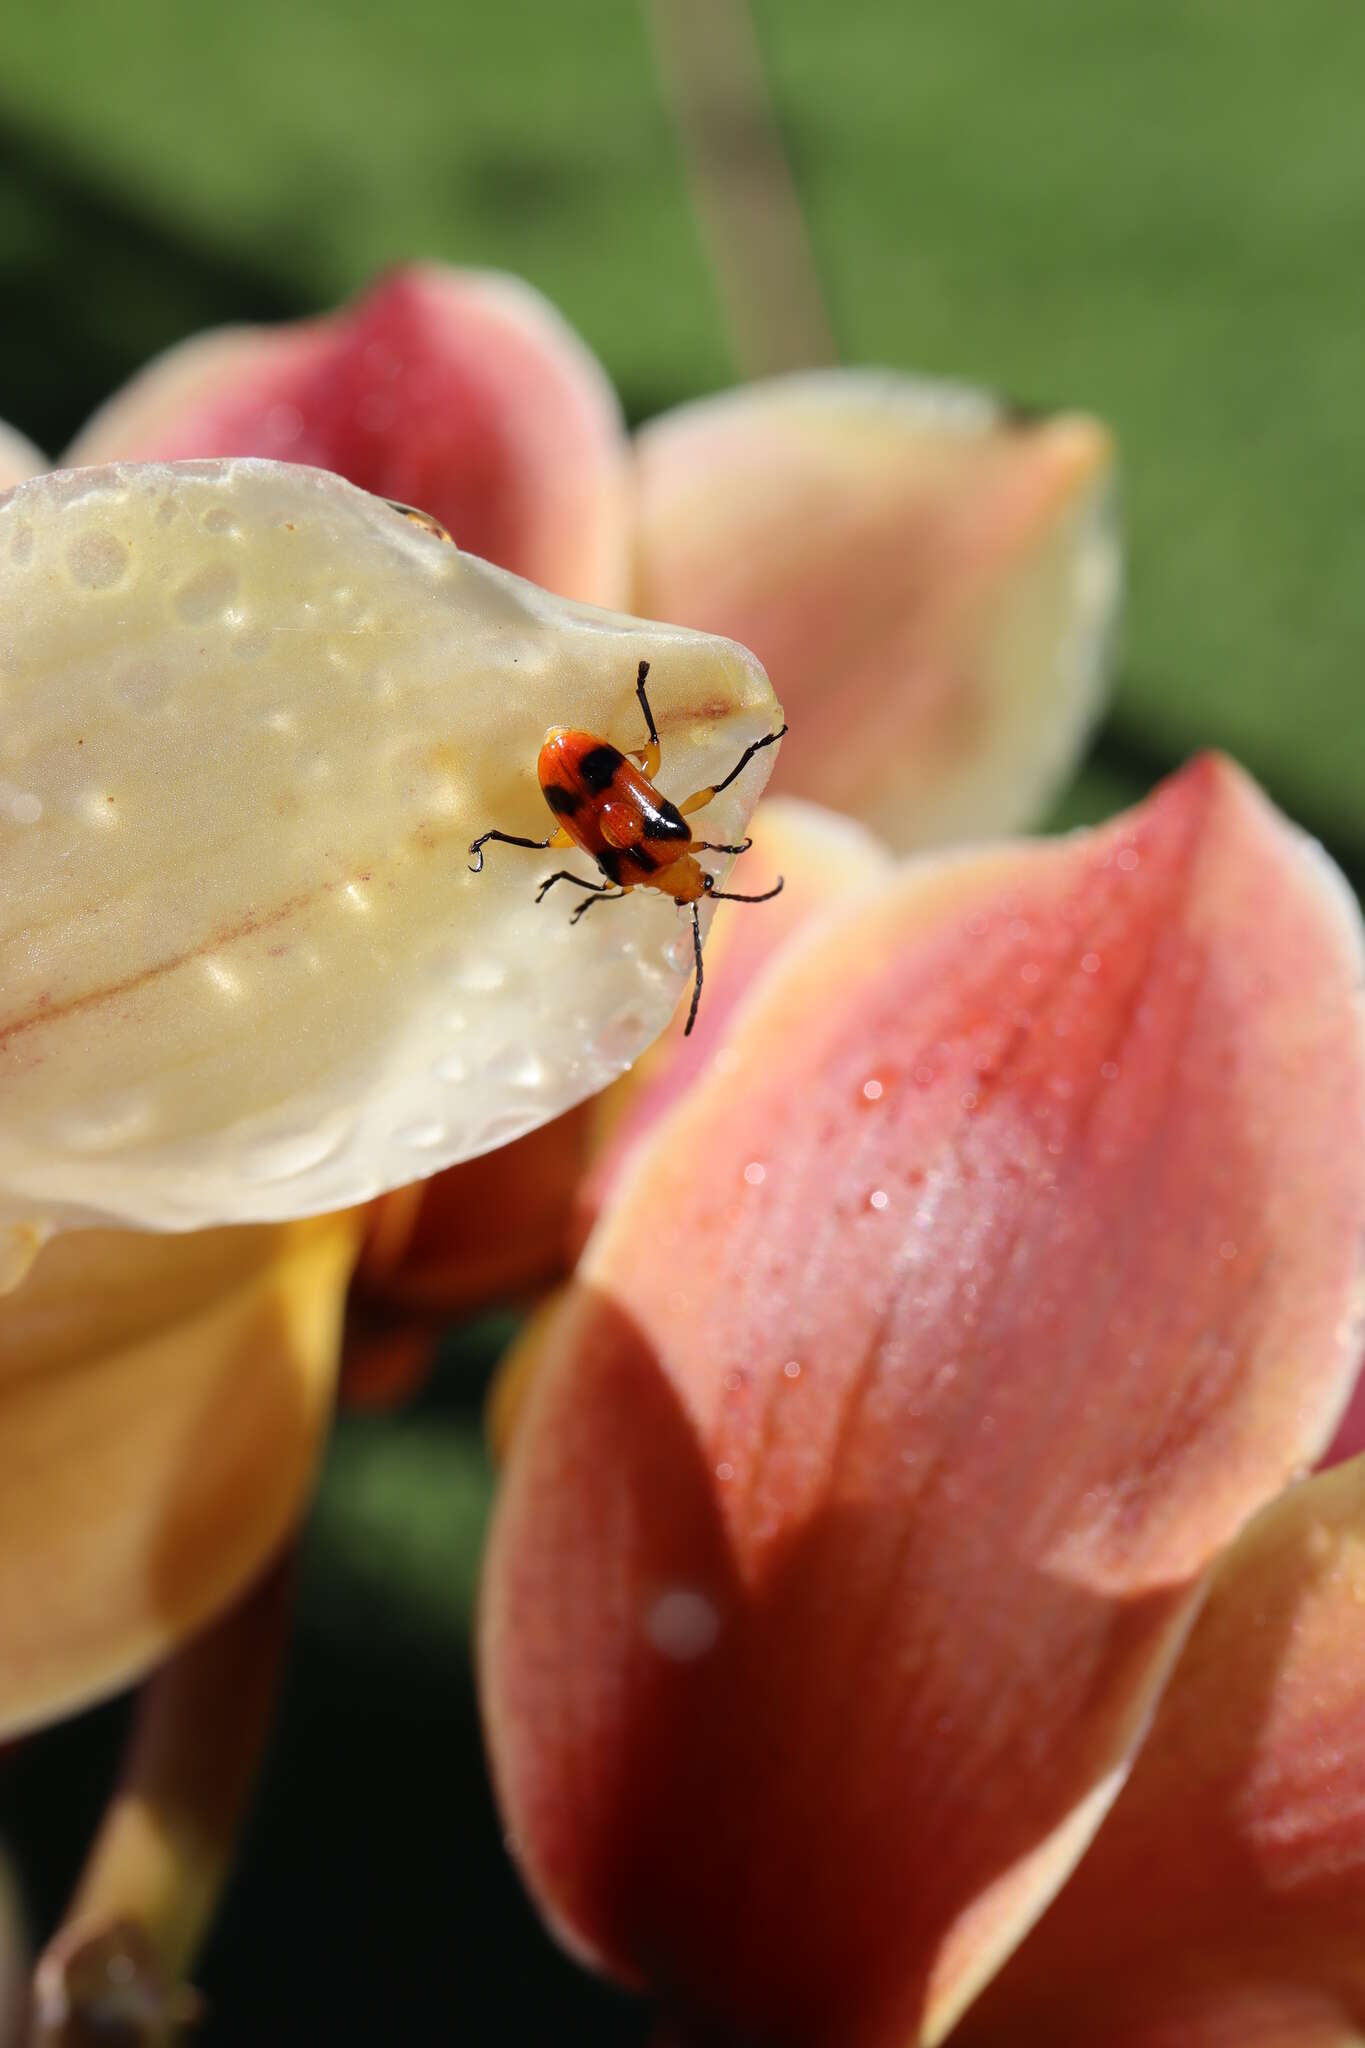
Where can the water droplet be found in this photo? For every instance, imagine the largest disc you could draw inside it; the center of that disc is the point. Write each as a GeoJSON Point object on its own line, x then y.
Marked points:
{"type": "Point", "coordinates": [872, 1091]}
{"type": "Point", "coordinates": [1090, 963]}
{"type": "Point", "coordinates": [792, 1369]}
{"type": "Point", "coordinates": [1227, 1249]}
{"type": "Point", "coordinates": [683, 1624]}
{"type": "Point", "coordinates": [483, 976]}
{"type": "Point", "coordinates": [97, 560]}
{"type": "Point", "coordinates": [1128, 858]}
{"type": "Point", "coordinates": [725, 1470]}
{"type": "Point", "coordinates": [755, 1173]}
{"type": "Point", "coordinates": [296, 1152]}
{"type": "Point", "coordinates": [25, 808]}
{"type": "Point", "coordinates": [421, 1136]}
{"type": "Point", "coordinates": [733, 1382]}
{"type": "Point", "coordinates": [968, 1100]}
{"type": "Point", "coordinates": [878, 1199]}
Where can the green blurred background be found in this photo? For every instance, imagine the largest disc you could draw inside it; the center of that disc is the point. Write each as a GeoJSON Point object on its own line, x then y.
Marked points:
{"type": "Point", "coordinates": [1151, 208]}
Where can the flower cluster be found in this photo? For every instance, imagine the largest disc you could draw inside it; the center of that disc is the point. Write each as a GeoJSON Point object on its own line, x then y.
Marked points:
{"type": "Point", "coordinates": [905, 1616]}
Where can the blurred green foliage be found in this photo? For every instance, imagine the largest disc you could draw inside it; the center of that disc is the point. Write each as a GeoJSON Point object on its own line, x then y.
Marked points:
{"type": "Point", "coordinates": [1151, 208]}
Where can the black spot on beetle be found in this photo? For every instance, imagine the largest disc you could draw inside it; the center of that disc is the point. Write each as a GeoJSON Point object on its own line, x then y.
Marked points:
{"type": "Point", "coordinates": [597, 768]}
{"type": "Point", "coordinates": [667, 822]}
{"type": "Point", "coordinates": [609, 861]}
{"type": "Point", "coordinates": [563, 802]}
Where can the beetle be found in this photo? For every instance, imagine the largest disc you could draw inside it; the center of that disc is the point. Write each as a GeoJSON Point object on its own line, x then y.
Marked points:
{"type": "Point", "coordinates": [639, 838]}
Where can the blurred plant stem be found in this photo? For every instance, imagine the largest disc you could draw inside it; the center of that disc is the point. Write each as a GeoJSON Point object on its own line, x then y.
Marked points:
{"type": "Point", "coordinates": [711, 65]}
{"type": "Point", "coordinates": [115, 1967]}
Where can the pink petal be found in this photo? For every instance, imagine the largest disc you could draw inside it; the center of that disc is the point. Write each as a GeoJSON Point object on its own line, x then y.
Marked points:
{"type": "Point", "coordinates": [821, 859]}
{"type": "Point", "coordinates": [1223, 1902]}
{"type": "Point", "coordinates": [863, 1502]}
{"type": "Point", "coordinates": [931, 586]}
{"type": "Point", "coordinates": [461, 392]}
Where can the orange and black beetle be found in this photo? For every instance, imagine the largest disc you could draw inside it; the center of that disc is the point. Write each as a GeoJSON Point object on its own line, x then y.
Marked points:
{"type": "Point", "coordinates": [639, 839]}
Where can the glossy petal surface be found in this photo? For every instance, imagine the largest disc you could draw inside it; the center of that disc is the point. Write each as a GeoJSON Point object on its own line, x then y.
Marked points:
{"type": "Point", "coordinates": [161, 1406]}
{"type": "Point", "coordinates": [1221, 1905]}
{"type": "Point", "coordinates": [258, 719]}
{"type": "Point", "coordinates": [18, 458]}
{"type": "Point", "coordinates": [921, 1364]}
{"type": "Point", "coordinates": [461, 392]}
{"type": "Point", "coordinates": [931, 585]}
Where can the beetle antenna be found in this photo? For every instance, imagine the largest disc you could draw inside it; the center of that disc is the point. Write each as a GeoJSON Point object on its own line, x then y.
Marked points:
{"type": "Point", "coordinates": [727, 896]}
{"type": "Point", "coordinates": [696, 989]}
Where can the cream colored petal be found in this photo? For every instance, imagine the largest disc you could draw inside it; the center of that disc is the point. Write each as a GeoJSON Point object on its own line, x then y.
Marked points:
{"type": "Point", "coordinates": [161, 1405]}
{"type": "Point", "coordinates": [254, 720]}
{"type": "Point", "coordinates": [18, 458]}
{"type": "Point", "coordinates": [931, 584]}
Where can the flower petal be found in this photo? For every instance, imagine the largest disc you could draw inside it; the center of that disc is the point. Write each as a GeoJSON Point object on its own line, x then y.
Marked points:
{"type": "Point", "coordinates": [247, 971]}
{"type": "Point", "coordinates": [161, 1405]}
{"type": "Point", "coordinates": [1222, 1901]}
{"type": "Point", "coordinates": [931, 584]}
{"type": "Point", "coordinates": [923, 1361]}
{"type": "Point", "coordinates": [462, 392]}
{"type": "Point", "coordinates": [493, 1229]}
{"type": "Point", "coordinates": [18, 458]}
{"type": "Point", "coordinates": [822, 859]}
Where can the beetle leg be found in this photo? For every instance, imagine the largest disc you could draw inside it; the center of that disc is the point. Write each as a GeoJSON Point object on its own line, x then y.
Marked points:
{"type": "Point", "coordinates": [566, 875]}
{"type": "Point", "coordinates": [649, 756]}
{"type": "Point", "coordinates": [605, 896]}
{"type": "Point", "coordinates": [701, 797]}
{"type": "Point", "coordinates": [696, 986]}
{"type": "Point", "coordinates": [714, 846]}
{"type": "Point", "coordinates": [559, 838]}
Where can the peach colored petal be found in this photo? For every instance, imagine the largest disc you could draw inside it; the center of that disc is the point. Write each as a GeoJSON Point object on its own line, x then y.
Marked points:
{"type": "Point", "coordinates": [1223, 1902]}
{"type": "Point", "coordinates": [493, 1229]}
{"type": "Point", "coordinates": [823, 859]}
{"type": "Point", "coordinates": [384, 1364]}
{"type": "Point", "coordinates": [931, 584]}
{"type": "Point", "coordinates": [865, 1497]}
{"type": "Point", "coordinates": [18, 458]}
{"type": "Point", "coordinates": [462, 392]}
{"type": "Point", "coordinates": [1349, 1440]}
{"type": "Point", "coordinates": [161, 1405]}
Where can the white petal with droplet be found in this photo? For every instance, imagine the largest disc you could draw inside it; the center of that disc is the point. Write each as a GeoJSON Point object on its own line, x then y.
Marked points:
{"type": "Point", "coordinates": [255, 718]}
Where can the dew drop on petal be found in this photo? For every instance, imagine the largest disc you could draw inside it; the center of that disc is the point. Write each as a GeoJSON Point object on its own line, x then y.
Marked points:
{"type": "Point", "coordinates": [683, 1624]}
{"type": "Point", "coordinates": [755, 1173]}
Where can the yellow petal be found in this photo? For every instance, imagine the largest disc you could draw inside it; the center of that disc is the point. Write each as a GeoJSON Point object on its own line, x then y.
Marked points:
{"type": "Point", "coordinates": [1223, 1901]}
{"type": "Point", "coordinates": [161, 1405]}
{"type": "Point", "coordinates": [931, 585]}
{"type": "Point", "coordinates": [256, 718]}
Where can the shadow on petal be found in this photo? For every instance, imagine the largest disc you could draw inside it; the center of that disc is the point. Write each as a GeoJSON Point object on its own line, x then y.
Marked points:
{"type": "Point", "coordinates": [1222, 1901]}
